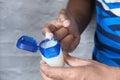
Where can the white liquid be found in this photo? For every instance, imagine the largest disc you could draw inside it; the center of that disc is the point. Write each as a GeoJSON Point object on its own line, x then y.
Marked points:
{"type": "Point", "coordinates": [54, 61]}
{"type": "Point", "coordinates": [49, 43]}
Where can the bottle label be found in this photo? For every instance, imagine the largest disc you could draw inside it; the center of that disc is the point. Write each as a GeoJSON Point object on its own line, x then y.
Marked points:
{"type": "Point", "coordinates": [51, 52]}
{"type": "Point", "coordinates": [55, 61]}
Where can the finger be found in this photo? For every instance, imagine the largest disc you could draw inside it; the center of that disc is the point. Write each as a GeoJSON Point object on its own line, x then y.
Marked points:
{"type": "Point", "coordinates": [66, 42]}
{"type": "Point", "coordinates": [43, 69]}
{"type": "Point", "coordinates": [72, 61]}
{"type": "Point", "coordinates": [54, 72]}
{"type": "Point", "coordinates": [61, 33]}
{"type": "Point", "coordinates": [61, 73]}
{"type": "Point", "coordinates": [48, 28]}
{"type": "Point", "coordinates": [43, 63]}
{"type": "Point", "coordinates": [66, 18]}
{"type": "Point", "coordinates": [56, 24]}
{"type": "Point", "coordinates": [44, 77]}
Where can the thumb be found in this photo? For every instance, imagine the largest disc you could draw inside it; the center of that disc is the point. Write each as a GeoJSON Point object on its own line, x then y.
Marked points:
{"type": "Point", "coordinates": [73, 61]}
{"type": "Point", "coordinates": [54, 72]}
{"type": "Point", "coordinates": [49, 29]}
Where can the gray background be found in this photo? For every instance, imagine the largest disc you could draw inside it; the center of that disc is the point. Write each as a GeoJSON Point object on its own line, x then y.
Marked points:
{"type": "Point", "coordinates": [26, 17]}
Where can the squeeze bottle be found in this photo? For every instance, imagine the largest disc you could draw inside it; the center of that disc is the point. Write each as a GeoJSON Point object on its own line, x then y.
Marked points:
{"type": "Point", "coordinates": [51, 51]}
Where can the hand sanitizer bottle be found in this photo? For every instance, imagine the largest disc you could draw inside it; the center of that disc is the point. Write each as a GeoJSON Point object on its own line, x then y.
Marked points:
{"type": "Point", "coordinates": [51, 51]}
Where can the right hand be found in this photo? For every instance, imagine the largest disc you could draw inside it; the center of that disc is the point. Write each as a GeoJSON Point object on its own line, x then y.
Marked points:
{"type": "Point", "coordinates": [65, 29]}
{"type": "Point", "coordinates": [79, 69]}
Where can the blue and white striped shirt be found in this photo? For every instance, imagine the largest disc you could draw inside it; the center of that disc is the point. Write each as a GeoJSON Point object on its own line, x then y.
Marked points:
{"type": "Point", "coordinates": [107, 35]}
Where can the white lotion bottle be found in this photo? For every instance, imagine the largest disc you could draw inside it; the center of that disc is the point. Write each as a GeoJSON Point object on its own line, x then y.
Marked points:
{"type": "Point", "coordinates": [51, 51]}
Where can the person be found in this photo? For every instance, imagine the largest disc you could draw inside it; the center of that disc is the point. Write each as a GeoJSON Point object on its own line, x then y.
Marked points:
{"type": "Point", "coordinates": [68, 27]}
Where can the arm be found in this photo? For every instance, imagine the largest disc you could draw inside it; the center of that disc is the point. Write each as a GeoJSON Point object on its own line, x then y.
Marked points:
{"type": "Point", "coordinates": [78, 13]}
{"type": "Point", "coordinates": [80, 69]}
{"type": "Point", "coordinates": [82, 10]}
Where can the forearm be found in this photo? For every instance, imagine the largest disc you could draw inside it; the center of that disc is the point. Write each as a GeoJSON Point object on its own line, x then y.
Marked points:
{"type": "Point", "coordinates": [117, 73]}
{"type": "Point", "coordinates": [82, 11]}
{"type": "Point", "coordinates": [110, 73]}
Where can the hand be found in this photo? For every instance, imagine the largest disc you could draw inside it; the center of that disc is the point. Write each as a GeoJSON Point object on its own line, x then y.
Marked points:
{"type": "Point", "coordinates": [79, 69]}
{"type": "Point", "coordinates": [65, 30]}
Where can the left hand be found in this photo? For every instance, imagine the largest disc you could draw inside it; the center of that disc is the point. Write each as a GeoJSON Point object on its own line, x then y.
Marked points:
{"type": "Point", "coordinates": [65, 29]}
{"type": "Point", "coordinates": [79, 69]}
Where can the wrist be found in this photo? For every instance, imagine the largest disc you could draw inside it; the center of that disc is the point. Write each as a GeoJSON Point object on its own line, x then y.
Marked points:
{"type": "Point", "coordinates": [75, 20]}
{"type": "Point", "coordinates": [80, 20]}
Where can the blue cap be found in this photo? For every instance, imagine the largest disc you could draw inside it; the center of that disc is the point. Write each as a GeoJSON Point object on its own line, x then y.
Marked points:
{"type": "Point", "coordinates": [27, 43]}
{"type": "Point", "coordinates": [50, 51]}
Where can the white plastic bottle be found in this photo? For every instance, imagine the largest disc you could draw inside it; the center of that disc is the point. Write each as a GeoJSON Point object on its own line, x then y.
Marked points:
{"type": "Point", "coordinates": [51, 52]}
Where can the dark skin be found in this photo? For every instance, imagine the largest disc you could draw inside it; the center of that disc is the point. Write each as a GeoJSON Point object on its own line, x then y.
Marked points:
{"type": "Point", "coordinates": [78, 15]}
{"type": "Point", "coordinates": [79, 19]}
{"type": "Point", "coordinates": [82, 10]}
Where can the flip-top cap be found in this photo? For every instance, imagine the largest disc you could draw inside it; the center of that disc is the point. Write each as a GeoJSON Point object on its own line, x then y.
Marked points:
{"type": "Point", "coordinates": [49, 48]}
{"type": "Point", "coordinates": [27, 43]}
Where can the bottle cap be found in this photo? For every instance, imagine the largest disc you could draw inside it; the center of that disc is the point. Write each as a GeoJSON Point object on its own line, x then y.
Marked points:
{"type": "Point", "coordinates": [50, 51]}
{"type": "Point", "coordinates": [27, 43]}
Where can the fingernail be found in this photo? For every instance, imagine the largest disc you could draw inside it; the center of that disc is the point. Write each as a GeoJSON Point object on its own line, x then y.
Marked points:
{"type": "Point", "coordinates": [66, 23]}
{"type": "Point", "coordinates": [42, 62]}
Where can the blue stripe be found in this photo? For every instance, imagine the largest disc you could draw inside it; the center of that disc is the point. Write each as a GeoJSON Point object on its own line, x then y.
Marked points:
{"type": "Point", "coordinates": [102, 46]}
{"type": "Point", "coordinates": [115, 27]}
{"type": "Point", "coordinates": [117, 60]}
{"type": "Point", "coordinates": [103, 23]}
{"type": "Point", "coordinates": [111, 54]}
{"type": "Point", "coordinates": [112, 5]}
{"type": "Point", "coordinates": [98, 55]}
{"type": "Point", "coordinates": [98, 4]}
{"type": "Point", "coordinates": [100, 10]}
{"type": "Point", "coordinates": [108, 35]}
{"type": "Point", "coordinates": [112, 21]}
{"type": "Point", "coordinates": [107, 22]}
{"type": "Point", "coordinates": [107, 41]}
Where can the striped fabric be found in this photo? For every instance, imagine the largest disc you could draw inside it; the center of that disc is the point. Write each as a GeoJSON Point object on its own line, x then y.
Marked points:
{"type": "Point", "coordinates": [107, 35]}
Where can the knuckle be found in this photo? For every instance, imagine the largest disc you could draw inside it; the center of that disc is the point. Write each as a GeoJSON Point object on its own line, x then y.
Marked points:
{"type": "Point", "coordinates": [61, 33]}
